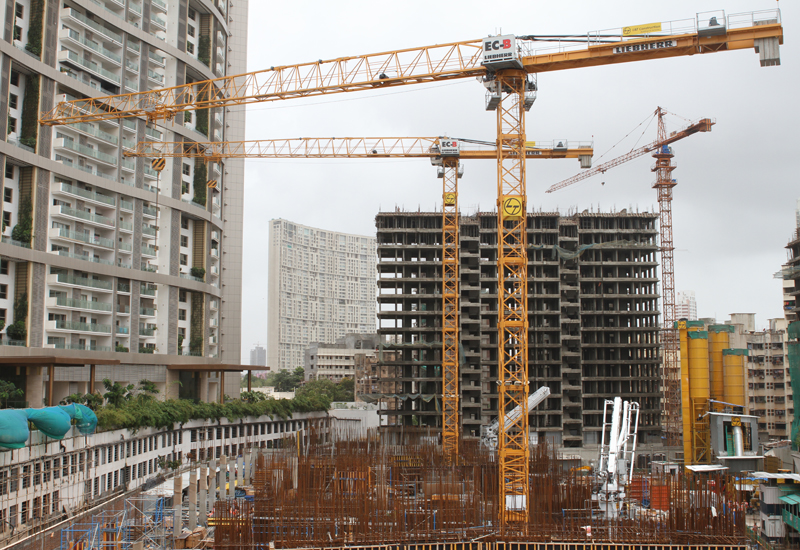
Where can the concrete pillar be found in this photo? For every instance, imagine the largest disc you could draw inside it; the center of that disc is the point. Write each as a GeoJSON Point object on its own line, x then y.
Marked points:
{"type": "Point", "coordinates": [34, 387]}
{"type": "Point", "coordinates": [192, 500]}
{"type": "Point", "coordinates": [232, 478]}
{"type": "Point", "coordinates": [248, 463]}
{"type": "Point", "coordinates": [177, 502]}
{"type": "Point", "coordinates": [212, 484]}
{"type": "Point", "coordinates": [203, 496]}
{"type": "Point", "coordinates": [223, 470]}
{"type": "Point", "coordinates": [240, 472]}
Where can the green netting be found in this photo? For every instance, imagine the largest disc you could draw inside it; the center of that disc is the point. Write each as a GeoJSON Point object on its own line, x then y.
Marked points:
{"type": "Point", "coordinates": [565, 254]}
{"type": "Point", "coordinates": [689, 324]}
{"type": "Point", "coordinates": [794, 377]}
{"type": "Point", "coordinates": [735, 352]}
{"type": "Point", "coordinates": [720, 328]}
{"type": "Point", "coordinates": [794, 330]}
{"type": "Point", "coordinates": [698, 334]}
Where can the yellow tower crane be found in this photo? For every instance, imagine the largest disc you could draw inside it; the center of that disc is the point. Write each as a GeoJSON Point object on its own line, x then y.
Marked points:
{"type": "Point", "coordinates": [507, 66]}
{"type": "Point", "coordinates": [444, 152]}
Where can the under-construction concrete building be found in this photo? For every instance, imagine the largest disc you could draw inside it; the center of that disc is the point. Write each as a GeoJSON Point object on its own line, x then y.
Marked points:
{"type": "Point", "coordinates": [593, 320]}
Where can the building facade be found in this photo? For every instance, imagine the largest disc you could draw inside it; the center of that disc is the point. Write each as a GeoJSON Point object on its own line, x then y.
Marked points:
{"type": "Point", "coordinates": [102, 256]}
{"type": "Point", "coordinates": [339, 360]}
{"type": "Point", "coordinates": [768, 383]}
{"type": "Point", "coordinates": [686, 305]}
{"type": "Point", "coordinates": [258, 356]}
{"type": "Point", "coordinates": [593, 321]}
{"type": "Point", "coordinates": [321, 287]}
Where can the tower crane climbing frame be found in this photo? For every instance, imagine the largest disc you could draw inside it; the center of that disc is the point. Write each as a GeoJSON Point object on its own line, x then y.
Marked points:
{"type": "Point", "coordinates": [504, 69]}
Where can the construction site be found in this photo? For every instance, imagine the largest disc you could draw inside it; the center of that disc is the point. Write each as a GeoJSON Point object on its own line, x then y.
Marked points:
{"type": "Point", "coordinates": [511, 341]}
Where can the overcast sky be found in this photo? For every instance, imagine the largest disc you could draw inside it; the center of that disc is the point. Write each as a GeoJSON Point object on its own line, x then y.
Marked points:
{"type": "Point", "coordinates": [734, 206]}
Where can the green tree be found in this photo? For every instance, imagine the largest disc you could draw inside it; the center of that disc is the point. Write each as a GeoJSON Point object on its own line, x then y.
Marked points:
{"type": "Point", "coordinates": [18, 329]}
{"type": "Point", "coordinates": [8, 390]}
{"type": "Point", "coordinates": [147, 391]}
{"type": "Point", "coordinates": [345, 390]}
{"type": "Point", "coordinates": [283, 380]}
{"type": "Point", "coordinates": [116, 394]}
{"type": "Point", "coordinates": [22, 232]}
{"type": "Point", "coordinates": [252, 396]}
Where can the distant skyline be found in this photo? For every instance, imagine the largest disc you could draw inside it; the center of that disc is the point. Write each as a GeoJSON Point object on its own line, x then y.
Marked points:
{"type": "Point", "coordinates": [734, 206]}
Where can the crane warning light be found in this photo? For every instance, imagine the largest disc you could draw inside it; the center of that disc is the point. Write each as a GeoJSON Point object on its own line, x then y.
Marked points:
{"type": "Point", "coordinates": [500, 52]}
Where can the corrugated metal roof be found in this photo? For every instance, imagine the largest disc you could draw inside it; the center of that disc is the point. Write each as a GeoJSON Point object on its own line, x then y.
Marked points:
{"type": "Point", "coordinates": [706, 468]}
{"type": "Point", "coordinates": [793, 499]}
{"type": "Point", "coordinates": [768, 475]}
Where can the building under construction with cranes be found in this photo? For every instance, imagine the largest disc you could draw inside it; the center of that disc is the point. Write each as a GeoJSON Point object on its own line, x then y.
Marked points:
{"type": "Point", "coordinates": [592, 321]}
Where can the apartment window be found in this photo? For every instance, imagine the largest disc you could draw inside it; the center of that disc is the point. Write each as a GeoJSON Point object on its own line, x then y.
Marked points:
{"type": "Point", "coordinates": [192, 14]}
{"type": "Point", "coordinates": [10, 171]}
{"type": "Point", "coordinates": [184, 241]}
{"type": "Point", "coordinates": [14, 78]}
{"type": "Point", "coordinates": [56, 468]}
{"type": "Point", "coordinates": [12, 124]}
{"type": "Point", "coordinates": [56, 502]}
{"type": "Point", "coordinates": [184, 259]}
{"type": "Point", "coordinates": [190, 31]}
{"type": "Point", "coordinates": [187, 118]}
{"type": "Point", "coordinates": [19, 10]}
{"type": "Point", "coordinates": [187, 170]}
{"type": "Point", "coordinates": [3, 267]}
{"type": "Point", "coordinates": [8, 194]}
{"type": "Point", "coordinates": [6, 219]}
{"type": "Point", "coordinates": [184, 223]}
{"type": "Point", "coordinates": [181, 314]}
{"type": "Point", "coordinates": [182, 295]}
{"type": "Point", "coordinates": [189, 48]}
{"type": "Point", "coordinates": [26, 477]}
{"type": "Point", "coordinates": [12, 101]}
{"type": "Point", "coordinates": [17, 36]}
{"type": "Point", "coordinates": [182, 331]}
{"type": "Point", "coordinates": [3, 316]}
{"type": "Point", "coordinates": [24, 512]}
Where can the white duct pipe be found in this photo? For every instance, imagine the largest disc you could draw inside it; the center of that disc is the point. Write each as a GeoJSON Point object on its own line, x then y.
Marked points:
{"type": "Point", "coordinates": [738, 441]}
{"type": "Point", "coordinates": [613, 440]}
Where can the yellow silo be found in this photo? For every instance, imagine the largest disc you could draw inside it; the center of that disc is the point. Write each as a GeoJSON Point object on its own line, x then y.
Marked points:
{"type": "Point", "coordinates": [718, 340]}
{"type": "Point", "coordinates": [733, 366]}
{"type": "Point", "coordinates": [685, 402]}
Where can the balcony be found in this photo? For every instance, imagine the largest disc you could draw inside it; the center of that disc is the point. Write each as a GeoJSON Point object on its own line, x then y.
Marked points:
{"type": "Point", "coordinates": [192, 278]}
{"type": "Point", "coordinates": [213, 305]}
{"type": "Point", "coordinates": [126, 227]}
{"type": "Point", "coordinates": [85, 257]}
{"type": "Point", "coordinates": [85, 347]}
{"type": "Point", "coordinates": [131, 85]}
{"type": "Point", "coordinates": [86, 216]}
{"type": "Point", "coordinates": [146, 331]}
{"type": "Point", "coordinates": [149, 230]}
{"type": "Point", "coordinates": [87, 238]}
{"type": "Point", "coordinates": [123, 310]}
{"type": "Point", "coordinates": [126, 248]}
{"type": "Point", "coordinates": [63, 279]}
{"type": "Point", "coordinates": [147, 290]}
{"type": "Point", "coordinates": [71, 145]}
{"type": "Point", "coordinates": [149, 211]}
{"type": "Point", "coordinates": [124, 287]}
{"type": "Point", "coordinates": [67, 56]}
{"type": "Point", "coordinates": [147, 312]}
{"type": "Point", "coordinates": [72, 303]}
{"type": "Point", "coordinates": [155, 134]}
{"type": "Point", "coordinates": [74, 37]}
{"type": "Point", "coordinates": [128, 165]}
{"type": "Point", "coordinates": [156, 59]}
{"type": "Point", "coordinates": [72, 326]}
{"type": "Point", "coordinates": [214, 270]}
{"type": "Point", "coordinates": [92, 196]}
{"type": "Point", "coordinates": [212, 340]}
{"type": "Point", "coordinates": [123, 330]}
{"type": "Point", "coordinates": [159, 5]}
{"type": "Point", "coordinates": [126, 205]}
{"type": "Point", "coordinates": [158, 22]}
{"type": "Point", "coordinates": [69, 13]}
{"type": "Point", "coordinates": [214, 252]}
{"type": "Point", "coordinates": [148, 251]}
{"type": "Point", "coordinates": [149, 268]}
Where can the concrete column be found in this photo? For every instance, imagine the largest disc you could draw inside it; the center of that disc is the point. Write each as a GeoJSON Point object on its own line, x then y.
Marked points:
{"type": "Point", "coordinates": [192, 500]}
{"type": "Point", "coordinates": [240, 472]}
{"type": "Point", "coordinates": [212, 484]}
{"type": "Point", "coordinates": [223, 469]}
{"type": "Point", "coordinates": [232, 478]}
{"type": "Point", "coordinates": [248, 463]}
{"type": "Point", "coordinates": [177, 502]}
{"type": "Point", "coordinates": [203, 496]}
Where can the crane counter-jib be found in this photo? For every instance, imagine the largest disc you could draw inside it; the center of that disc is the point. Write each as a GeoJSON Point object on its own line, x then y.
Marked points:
{"type": "Point", "coordinates": [759, 30]}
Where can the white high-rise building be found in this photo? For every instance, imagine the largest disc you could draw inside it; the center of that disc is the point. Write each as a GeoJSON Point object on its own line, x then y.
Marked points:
{"type": "Point", "coordinates": [104, 260]}
{"type": "Point", "coordinates": [686, 305]}
{"type": "Point", "coordinates": [321, 286]}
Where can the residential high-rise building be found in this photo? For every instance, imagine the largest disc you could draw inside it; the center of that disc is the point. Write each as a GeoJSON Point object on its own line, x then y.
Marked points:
{"type": "Point", "coordinates": [686, 305]}
{"type": "Point", "coordinates": [321, 287]}
{"type": "Point", "coordinates": [593, 321]}
{"type": "Point", "coordinates": [791, 274]}
{"type": "Point", "coordinates": [768, 387]}
{"type": "Point", "coordinates": [105, 260]}
{"type": "Point", "coordinates": [258, 356]}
